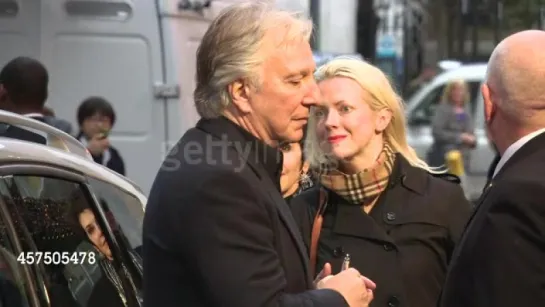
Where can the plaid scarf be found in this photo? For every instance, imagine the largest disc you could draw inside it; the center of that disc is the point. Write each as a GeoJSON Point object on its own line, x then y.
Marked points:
{"type": "Point", "coordinates": [364, 186]}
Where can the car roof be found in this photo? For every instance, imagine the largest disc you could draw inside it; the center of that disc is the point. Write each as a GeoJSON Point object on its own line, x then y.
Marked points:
{"type": "Point", "coordinates": [465, 72]}
{"type": "Point", "coordinates": [14, 150]}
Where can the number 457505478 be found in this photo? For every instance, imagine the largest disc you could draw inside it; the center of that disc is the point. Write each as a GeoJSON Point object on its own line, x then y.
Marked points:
{"type": "Point", "coordinates": [56, 258]}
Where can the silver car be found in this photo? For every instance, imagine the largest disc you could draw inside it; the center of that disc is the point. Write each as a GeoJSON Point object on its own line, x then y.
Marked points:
{"type": "Point", "coordinates": [421, 108]}
{"type": "Point", "coordinates": [48, 255]}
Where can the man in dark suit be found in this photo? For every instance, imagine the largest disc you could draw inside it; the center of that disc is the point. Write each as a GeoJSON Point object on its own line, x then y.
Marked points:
{"type": "Point", "coordinates": [23, 90]}
{"type": "Point", "coordinates": [500, 258]}
{"type": "Point", "coordinates": [217, 231]}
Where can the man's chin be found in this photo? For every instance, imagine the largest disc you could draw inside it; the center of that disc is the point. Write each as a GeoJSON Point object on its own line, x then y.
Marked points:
{"type": "Point", "coordinates": [293, 136]}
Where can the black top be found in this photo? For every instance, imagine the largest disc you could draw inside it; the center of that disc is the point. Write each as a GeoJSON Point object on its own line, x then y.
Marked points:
{"type": "Point", "coordinates": [111, 159]}
{"type": "Point", "coordinates": [405, 242]}
{"type": "Point", "coordinates": [217, 231]}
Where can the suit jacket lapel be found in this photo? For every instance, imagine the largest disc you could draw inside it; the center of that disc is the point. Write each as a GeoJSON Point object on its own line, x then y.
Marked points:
{"type": "Point", "coordinates": [289, 221]}
{"type": "Point", "coordinates": [219, 128]}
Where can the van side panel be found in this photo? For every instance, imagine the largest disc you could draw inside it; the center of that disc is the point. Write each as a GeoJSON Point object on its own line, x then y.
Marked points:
{"type": "Point", "coordinates": [19, 29]}
{"type": "Point", "coordinates": [183, 31]}
{"type": "Point", "coordinates": [112, 50]}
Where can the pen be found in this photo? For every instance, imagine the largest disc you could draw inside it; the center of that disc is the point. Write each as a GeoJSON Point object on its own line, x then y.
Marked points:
{"type": "Point", "coordinates": [346, 262]}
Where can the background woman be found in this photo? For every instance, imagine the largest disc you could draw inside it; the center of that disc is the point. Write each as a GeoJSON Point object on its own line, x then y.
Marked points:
{"type": "Point", "coordinates": [295, 176]}
{"type": "Point", "coordinates": [452, 125]}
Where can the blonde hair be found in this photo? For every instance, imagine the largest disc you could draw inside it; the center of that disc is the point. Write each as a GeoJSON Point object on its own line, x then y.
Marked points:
{"type": "Point", "coordinates": [375, 82]}
{"type": "Point", "coordinates": [447, 92]}
{"type": "Point", "coordinates": [233, 49]}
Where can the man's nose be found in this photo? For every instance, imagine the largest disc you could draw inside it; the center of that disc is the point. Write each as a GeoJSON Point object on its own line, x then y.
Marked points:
{"type": "Point", "coordinates": [313, 95]}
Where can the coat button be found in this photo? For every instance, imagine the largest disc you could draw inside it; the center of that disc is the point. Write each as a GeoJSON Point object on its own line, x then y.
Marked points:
{"type": "Point", "coordinates": [393, 301]}
{"type": "Point", "coordinates": [390, 216]}
{"type": "Point", "coordinates": [338, 252]}
{"type": "Point", "coordinates": [388, 247]}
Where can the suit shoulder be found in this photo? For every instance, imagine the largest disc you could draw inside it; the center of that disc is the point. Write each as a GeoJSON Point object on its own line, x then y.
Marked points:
{"type": "Point", "coordinates": [529, 189]}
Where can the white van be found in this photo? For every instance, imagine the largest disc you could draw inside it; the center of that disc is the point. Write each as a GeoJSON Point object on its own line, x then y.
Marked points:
{"type": "Point", "coordinates": [138, 54]}
{"type": "Point", "coordinates": [421, 107]}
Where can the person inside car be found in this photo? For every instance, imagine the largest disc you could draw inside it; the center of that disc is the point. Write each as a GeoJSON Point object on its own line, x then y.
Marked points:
{"type": "Point", "coordinates": [109, 290]}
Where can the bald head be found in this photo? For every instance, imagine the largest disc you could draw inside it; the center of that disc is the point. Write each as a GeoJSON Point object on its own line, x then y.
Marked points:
{"type": "Point", "coordinates": [516, 74]}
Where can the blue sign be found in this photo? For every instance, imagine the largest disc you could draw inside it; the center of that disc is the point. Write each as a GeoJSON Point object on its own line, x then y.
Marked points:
{"type": "Point", "coordinates": [386, 46]}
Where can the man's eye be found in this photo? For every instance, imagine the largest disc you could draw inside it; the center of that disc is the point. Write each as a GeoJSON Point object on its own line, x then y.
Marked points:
{"type": "Point", "coordinates": [295, 82]}
{"type": "Point", "coordinates": [319, 112]}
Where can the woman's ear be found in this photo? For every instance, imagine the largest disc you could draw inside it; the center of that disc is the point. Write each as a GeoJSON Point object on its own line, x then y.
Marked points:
{"type": "Point", "coordinates": [305, 167]}
{"type": "Point", "coordinates": [382, 120]}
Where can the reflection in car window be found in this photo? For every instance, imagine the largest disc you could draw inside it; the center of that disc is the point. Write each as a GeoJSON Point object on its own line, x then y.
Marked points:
{"type": "Point", "coordinates": [125, 214]}
{"type": "Point", "coordinates": [63, 241]}
{"type": "Point", "coordinates": [125, 208]}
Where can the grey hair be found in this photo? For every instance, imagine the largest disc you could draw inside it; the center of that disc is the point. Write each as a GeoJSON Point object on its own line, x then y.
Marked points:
{"type": "Point", "coordinates": [231, 50]}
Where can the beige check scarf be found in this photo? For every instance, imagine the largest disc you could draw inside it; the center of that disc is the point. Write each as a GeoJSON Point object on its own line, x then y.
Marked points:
{"type": "Point", "coordinates": [364, 186]}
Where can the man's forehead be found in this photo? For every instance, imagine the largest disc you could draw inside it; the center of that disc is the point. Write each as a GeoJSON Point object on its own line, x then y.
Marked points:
{"type": "Point", "coordinates": [294, 58]}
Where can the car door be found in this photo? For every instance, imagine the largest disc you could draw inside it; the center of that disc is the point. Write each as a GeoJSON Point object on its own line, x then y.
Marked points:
{"type": "Point", "coordinates": [56, 218]}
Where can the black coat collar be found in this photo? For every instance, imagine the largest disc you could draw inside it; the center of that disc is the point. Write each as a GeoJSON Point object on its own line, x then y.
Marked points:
{"type": "Point", "coordinates": [254, 151]}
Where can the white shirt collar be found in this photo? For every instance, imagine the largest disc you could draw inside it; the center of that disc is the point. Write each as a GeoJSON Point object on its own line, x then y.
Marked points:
{"type": "Point", "coordinates": [511, 150]}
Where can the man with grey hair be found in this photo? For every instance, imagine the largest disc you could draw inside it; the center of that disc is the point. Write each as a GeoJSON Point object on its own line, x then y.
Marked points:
{"type": "Point", "coordinates": [500, 260]}
{"type": "Point", "coordinates": [217, 231]}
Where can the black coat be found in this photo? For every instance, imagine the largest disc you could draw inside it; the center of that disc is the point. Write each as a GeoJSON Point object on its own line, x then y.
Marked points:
{"type": "Point", "coordinates": [217, 231]}
{"type": "Point", "coordinates": [500, 261]}
{"type": "Point", "coordinates": [15, 132]}
{"type": "Point", "coordinates": [405, 242]}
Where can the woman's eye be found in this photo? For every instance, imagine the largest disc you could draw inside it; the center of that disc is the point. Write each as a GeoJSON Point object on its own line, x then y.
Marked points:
{"type": "Point", "coordinates": [285, 147]}
{"type": "Point", "coordinates": [345, 109]}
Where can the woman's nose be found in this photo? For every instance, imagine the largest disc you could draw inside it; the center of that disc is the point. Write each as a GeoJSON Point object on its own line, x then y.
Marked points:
{"type": "Point", "coordinates": [332, 119]}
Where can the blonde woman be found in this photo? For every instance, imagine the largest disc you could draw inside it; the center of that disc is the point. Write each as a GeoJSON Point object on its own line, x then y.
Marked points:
{"type": "Point", "coordinates": [376, 206]}
{"type": "Point", "coordinates": [452, 125]}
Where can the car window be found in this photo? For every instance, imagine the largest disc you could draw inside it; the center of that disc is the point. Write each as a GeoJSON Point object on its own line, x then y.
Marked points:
{"type": "Point", "coordinates": [475, 91]}
{"type": "Point", "coordinates": [423, 114]}
{"type": "Point", "coordinates": [63, 241]}
{"type": "Point", "coordinates": [125, 208]}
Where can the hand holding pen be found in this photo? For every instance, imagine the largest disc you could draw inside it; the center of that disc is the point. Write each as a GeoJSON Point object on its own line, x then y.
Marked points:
{"type": "Point", "coordinates": [346, 262]}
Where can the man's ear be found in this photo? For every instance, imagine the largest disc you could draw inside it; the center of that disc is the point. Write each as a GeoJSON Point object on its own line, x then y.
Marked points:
{"type": "Point", "coordinates": [382, 120]}
{"type": "Point", "coordinates": [240, 92]}
{"type": "Point", "coordinates": [3, 92]}
{"type": "Point", "coordinates": [489, 106]}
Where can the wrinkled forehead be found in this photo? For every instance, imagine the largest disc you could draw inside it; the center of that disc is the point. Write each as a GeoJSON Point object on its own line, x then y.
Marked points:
{"type": "Point", "coordinates": [292, 53]}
